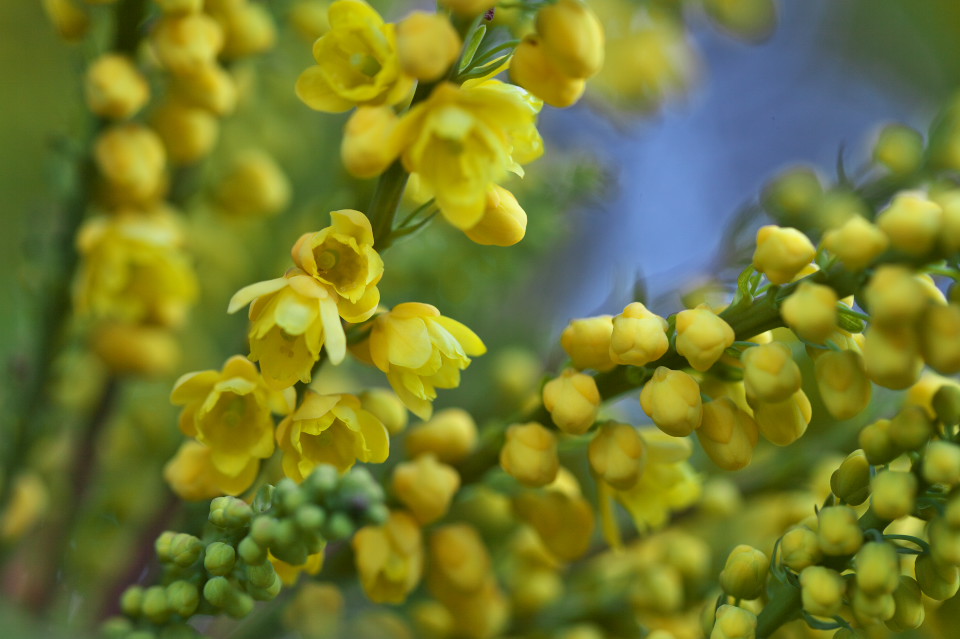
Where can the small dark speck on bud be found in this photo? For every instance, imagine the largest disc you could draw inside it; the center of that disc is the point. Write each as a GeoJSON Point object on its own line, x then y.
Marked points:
{"type": "Point", "coordinates": [488, 16]}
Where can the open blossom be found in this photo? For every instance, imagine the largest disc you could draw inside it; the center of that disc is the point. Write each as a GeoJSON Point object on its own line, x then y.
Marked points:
{"type": "Point", "coordinates": [330, 429]}
{"type": "Point", "coordinates": [342, 257]}
{"type": "Point", "coordinates": [389, 558]}
{"type": "Point", "coordinates": [357, 62]}
{"type": "Point", "coordinates": [291, 319]}
{"type": "Point", "coordinates": [420, 351]}
{"type": "Point", "coordinates": [230, 411]}
{"type": "Point", "coordinates": [193, 477]}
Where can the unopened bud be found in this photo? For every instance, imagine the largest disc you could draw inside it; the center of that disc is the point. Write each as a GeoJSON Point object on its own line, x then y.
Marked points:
{"type": "Point", "coordinates": [838, 531]}
{"type": "Point", "coordinates": [702, 336]}
{"type": "Point", "coordinates": [894, 494]}
{"type": "Point", "coordinates": [572, 400]}
{"type": "Point", "coordinates": [672, 400]}
{"type": "Point", "coordinates": [851, 481]}
{"type": "Point", "coordinates": [877, 568]}
{"type": "Point", "coordinates": [799, 548]}
{"type": "Point", "coordinates": [587, 342]}
{"type": "Point", "coordinates": [821, 591]}
{"type": "Point", "coordinates": [745, 573]}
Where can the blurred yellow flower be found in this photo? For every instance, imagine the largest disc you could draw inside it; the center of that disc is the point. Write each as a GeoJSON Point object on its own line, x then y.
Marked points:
{"type": "Point", "coordinates": [290, 573]}
{"type": "Point", "coordinates": [330, 429]}
{"type": "Point", "coordinates": [389, 558]}
{"type": "Point", "coordinates": [193, 477]}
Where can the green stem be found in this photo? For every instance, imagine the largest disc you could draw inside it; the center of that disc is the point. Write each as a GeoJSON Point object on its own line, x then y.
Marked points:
{"type": "Point", "coordinates": [386, 199]}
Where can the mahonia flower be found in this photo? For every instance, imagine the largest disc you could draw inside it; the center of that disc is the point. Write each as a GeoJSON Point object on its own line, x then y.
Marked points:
{"type": "Point", "coordinates": [420, 351]}
{"type": "Point", "coordinates": [229, 411]}
{"type": "Point", "coordinates": [342, 257]}
{"type": "Point", "coordinates": [134, 269]}
{"type": "Point", "coordinates": [389, 558]}
{"type": "Point", "coordinates": [193, 477]}
{"type": "Point", "coordinates": [290, 573]}
{"type": "Point", "coordinates": [330, 429]}
{"type": "Point", "coordinates": [291, 319]}
{"type": "Point", "coordinates": [357, 62]}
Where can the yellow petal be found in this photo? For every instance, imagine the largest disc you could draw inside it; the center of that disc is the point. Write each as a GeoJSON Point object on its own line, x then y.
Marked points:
{"type": "Point", "coordinates": [249, 293]}
{"type": "Point", "coordinates": [312, 87]}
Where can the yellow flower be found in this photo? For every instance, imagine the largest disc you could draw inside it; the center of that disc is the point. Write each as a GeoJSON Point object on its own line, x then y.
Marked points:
{"type": "Point", "coordinates": [618, 455]}
{"type": "Point", "coordinates": [291, 319]}
{"type": "Point", "coordinates": [702, 336]}
{"type": "Point", "coordinates": [134, 269]}
{"type": "Point", "coordinates": [450, 435]}
{"type": "Point", "coordinates": [229, 411]}
{"type": "Point", "coordinates": [769, 372]}
{"type": "Point", "coordinates": [330, 429]}
{"type": "Point", "coordinates": [420, 351]}
{"type": "Point", "coordinates": [672, 400]}
{"type": "Point", "coordinates": [136, 349]}
{"type": "Point", "coordinates": [461, 140]}
{"type": "Point", "coordinates": [427, 44]}
{"type": "Point", "coordinates": [425, 486]}
{"type": "Point", "coordinates": [572, 400]}
{"type": "Point", "coordinates": [254, 186]}
{"type": "Point", "coordinates": [563, 519]}
{"type": "Point", "coordinates": [532, 68]}
{"type": "Point", "coordinates": [781, 253]}
{"type": "Point", "coordinates": [290, 573]}
{"type": "Point", "coordinates": [389, 558]}
{"type": "Point", "coordinates": [587, 342]}
{"type": "Point", "coordinates": [529, 454]}
{"type": "Point", "coordinates": [727, 434]}
{"type": "Point", "coordinates": [357, 62]}
{"type": "Point", "coordinates": [342, 257]}
{"type": "Point", "coordinates": [193, 477]}
{"type": "Point", "coordinates": [639, 336]}
{"type": "Point", "coordinates": [131, 159]}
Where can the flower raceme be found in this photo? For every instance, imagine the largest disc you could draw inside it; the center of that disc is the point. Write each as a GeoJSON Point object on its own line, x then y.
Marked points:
{"type": "Point", "coordinates": [420, 350]}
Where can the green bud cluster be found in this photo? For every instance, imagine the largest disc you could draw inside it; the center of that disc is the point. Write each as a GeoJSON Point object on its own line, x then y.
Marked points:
{"type": "Point", "coordinates": [228, 570]}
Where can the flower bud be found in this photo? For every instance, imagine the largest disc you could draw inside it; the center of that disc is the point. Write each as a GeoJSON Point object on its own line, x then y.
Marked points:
{"type": "Point", "coordinates": [504, 222]}
{"type": "Point", "coordinates": [877, 568]}
{"type": "Point", "coordinates": [781, 253]}
{"type": "Point", "coordinates": [895, 296]}
{"type": "Point", "coordinates": [941, 463]}
{"type": "Point", "coordinates": [572, 37]}
{"type": "Point", "coordinates": [734, 623]}
{"type": "Point", "coordinates": [769, 372]}
{"type": "Point", "coordinates": [564, 522]}
{"type": "Point", "coordinates": [838, 531]}
{"type": "Point", "coordinates": [909, 612]}
{"type": "Point", "coordinates": [136, 349]}
{"type": "Point", "coordinates": [672, 400]}
{"type": "Point", "coordinates": [389, 558]}
{"type": "Point", "coordinates": [877, 444]}
{"type": "Point", "coordinates": [869, 609]}
{"type": "Point", "coordinates": [912, 223]}
{"type": "Point", "coordinates": [944, 542]}
{"type": "Point", "coordinates": [751, 21]}
{"type": "Point", "coordinates": [180, 6]}
{"type": "Point", "coordinates": [745, 573]}
{"type": "Point", "coordinates": [857, 243]}
{"type": "Point", "coordinates": [186, 43]}
{"type": "Point", "coordinates": [254, 186]}
{"type": "Point", "coordinates": [369, 142]}
{"type": "Point", "coordinates": [587, 342]}
{"type": "Point", "coordinates": [115, 88]}
{"type": "Point", "coordinates": [572, 400]}
{"type": "Point", "coordinates": [891, 356]}
{"type": "Point", "coordinates": [727, 434]}
{"type": "Point", "coordinates": [530, 454]}
{"type": "Point", "coordinates": [183, 598]}
{"type": "Point", "coordinates": [427, 45]}
{"type": "Point", "coordinates": [532, 68]}
{"type": "Point", "coordinates": [131, 601]}
{"type": "Point", "coordinates": [821, 590]}
{"type": "Point", "coordinates": [468, 8]}
{"type": "Point", "coordinates": [811, 311]}
{"type": "Point", "coordinates": [459, 561]}
{"type": "Point", "coordinates": [792, 194]}
{"type": "Point", "coordinates": [385, 406]}
{"type": "Point", "coordinates": [899, 148]}
{"type": "Point", "coordinates": [219, 558]}
{"type": "Point", "coordinates": [189, 133]}
{"type": "Point", "coordinates": [702, 337]}
{"type": "Point", "coordinates": [155, 606]}
{"type": "Point", "coordinates": [937, 581]}
{"type": "Point", "coordinates": [230, 512]}
{"type": "Point", "coordinates": [70, 21]}
{"type": "Point", "coordinates": [639, 336]}
{"type": "Point", "coordinates": [939, 332]}
{"type": "Point", "coordinates": [450, 435]}
{"type": "Point", "coordinates": [851, 481]}
{"type": "Point", "coordinates": [911, 428]}
{"type": "Point", "coordinates": [946, 404]}
{"type": "Point", "coordinates": [782, 423]}
{"type": "Point", "coordinates": [210, 87]}
{"type": "Point", "coordinates": [248, 28]}
{"type": "Point", "coordinates": [893, 494]}
{"type": "Point", "coordinates": [799, 548]}
{"type": "Point", "coordinates": [843, 384]}
{"type": "Point", "coordinates": [252, 553]}
{"type": "Point", "coordinates": [131, 158]}
{"type": "Point", "coordinates": [426, 487]}
{"type": "Point", "coordinates": [617, 455]}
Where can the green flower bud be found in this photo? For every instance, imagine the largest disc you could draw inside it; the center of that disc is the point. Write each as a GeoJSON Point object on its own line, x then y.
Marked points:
{"type": "Point", "coordinates": [261, 576]}
{"type": "Point", "coordinates": [377, 514]}
{"type": "Point", "coordinates": [155, 606]}
{"type": "Point", "coordinates": [821, 591]}
{"type": "Point", "coordinates": [183, 550]}
{"type": "Point", "coordinates": [322, 481]}
{"type": "Point", "coordinates": [288, 497]}
{"type": "Point", "coordinates": [734, 623]}
{"type": "Point", "coordinates": [251, 552]}
{"type": "Point", "coordinates": [941, 463]}
{"type": "Point", "coordinates": [909, 612]}
{"type": "Point", "coordinates": [877, 444]}
{"type": "Point", "coordinates": [937, 581]}
{"type": "Point", "coordinates": [851, 481]}
{"type": "Point", "coordinates": [183, 598]}
{"type": "Point", "coordinates": [310, 517]}
{"type": "Point", "coordinates": [116, 628]}
{"type": "Point", "coordinates": [799, 548]}
{"type": "Point", "coordinates": [944, 542]}
{"type": "Point", "coordinates": [792, 194]}
{"type": "Point", "coordinates": [267, 593]}
{"type": "Point", "coordinates": [131, 601]}
{"type": "Point", "coordinates": [899, 148]}
{"type": "Point", "coordinates": [239, 605]}
{"type": "Point", "coordinates": [867, 608]}
{"type": "Point", "coordinates": [838, 532]}
{"type": "Point", "coordinates": [951, 514]}
{"type": "Point", "coordinates": [338, 526]}
{"type": "Point", "coordinates": [220, 558]}
{"type": "Point", "coordinates": [878, 568]}
{"type": "Point", "coordinates": [262, 530]}
{"type": "Point", "coordinates": [911, 428]}
{"type": "Point", "coordinates": [218, 591]}
{"type": "Point", "coordinates": [894, 494]}
{"type": "Point", "coordinates": [946, 404]}
{"type": "Point", "coordinates": [285, 533]}
{"type": "Point", "coordinates": [359, 487]}
{"type": "Point", "coordinates": [745, 572]}
{"type": "Point", "coordinates": [230, 512]}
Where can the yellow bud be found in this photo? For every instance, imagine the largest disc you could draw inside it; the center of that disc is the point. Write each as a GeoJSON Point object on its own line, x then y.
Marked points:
{"type": "Point", "coordinates": [249, 30]}
{"type": "Point", "coordinates": [911, 428]}
{"type": "Point", "coordinates": [617, 455]}
{"type": "Point", "coordinates": [790, 196]}
{"type": "Point", "coordinates": [857, 243]}
{"type": "Point", "coordinates": [950, 232]}
{"type": "Point", "coordinates": [639, 336]}
{"type": "Point", "coordinates": [459, 561]}
{"type": "Point", "coordinates": [309, 18]}
{"type": "Point", "coordinates": [851, 481]}
{"type": "Point", "coordinates": [431, 619]}
{"type": "Point", "coordinates": [781, 253]}
{"type": "Point", "coordinates": [385, 406]}
{"type": "Point", "coordinates": [702, 337]}
{"type": "Point", "coordinates": [672, 400]}
{"type": "Point", "coordinates": [572, 400]}
{"type": "Point", "coordinates": [941, 463]}
{"type": "Point", "coordinates": [450, 435]}
{"type": "Point", "coordinates": [894, 494]}
{"type": "Point", "coordinates": [811, 311]}
{"type": "Point", "coordinates": [909, 612]}
{"type": "Point", "coordinates": [536, 589]}
{"type": "Point", "coordinates": [504, 222]}
{"type": "Point", "coordinates": [946, 404]}
{"type": "Point", "coordinates": [891, 356]}
{"type": "Point", "coordinates": [564, 522]}
{"type": "Point", "coordinates": [426, 487]}
{"type": "Point", "coordinates": [115, 88]}
{"type": "Point", "coordinates": [186, 43]}
{"type": "Point", "coordinates": [899, 148]}
{"type": "Point", "coordinates": [749, 20]}
{"type": "Point", "coordinates": [799, 548]}
{"type": "Point", "coordinates": [838, 531]}
{"type": "Point", "coordinates": [843, 384]}
{"type": "Point", "coordinates": [939, 332]}
{"type": "Point", "coordinates": [254, 186]}
{"type": "Point", "coordinates": [517, 372]}
{"type": "Point", "coordinates": [877, 568]}
{"type": "Point", "coordinates": [70, 21]}
{"type": "Point", "coordinates": [587, 342]}
{"type": "Point", "coordinates": [427, 45]}
{"type": "Point", "coordinates": [530, 454]}
{"type": "Point", "coordinates": [912, 223]}
{"type": "Point", "coordinates": [188, 133]}
{"type": "Point", "coordinates": [180, 6]}
{"type": "Point", "coordinates": [572, 37]}
{"type": "Point", "coordinates": [944, 541]}
{"type": "Point", "coordinates": [895, 297]}
{"type": "Point", "coordinates": [389, 558]}
{"type": "Point", "coordinates": [532, 68]}
{"type": "Point", "coordinates": [29, 500]}
{"type": "Point", "coordinates": [877, 444]}
{"type": "Point", "coordinates": [745, 573]}
{"type": "Point", "coordinates": [369, 142]}
{"type": "Point", "coordinates": [135, 349]}
{"type": "Point", "coordinates": [131, 159]}
{"type": "Point", "coordinates": [769, 372]}
{"type": "Point", "coordinates": [937, 581]}
{"type": "Point", "coordinates": [821, 590]}
{"type": "Point", "coordinates": [868, 609]}
{"type": "Point", "coordinates": [782, 423]}
{"type": "Point", "coordinates": [658, 591]}
{"type": "Point", "coordinates": [209, 87]}
{"type": "Point", "coordinates": [468, 7]}
{"type": "Point", "coordinates": [727, 434]}
{"type": "Point", "coordinates": [734, 623]}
